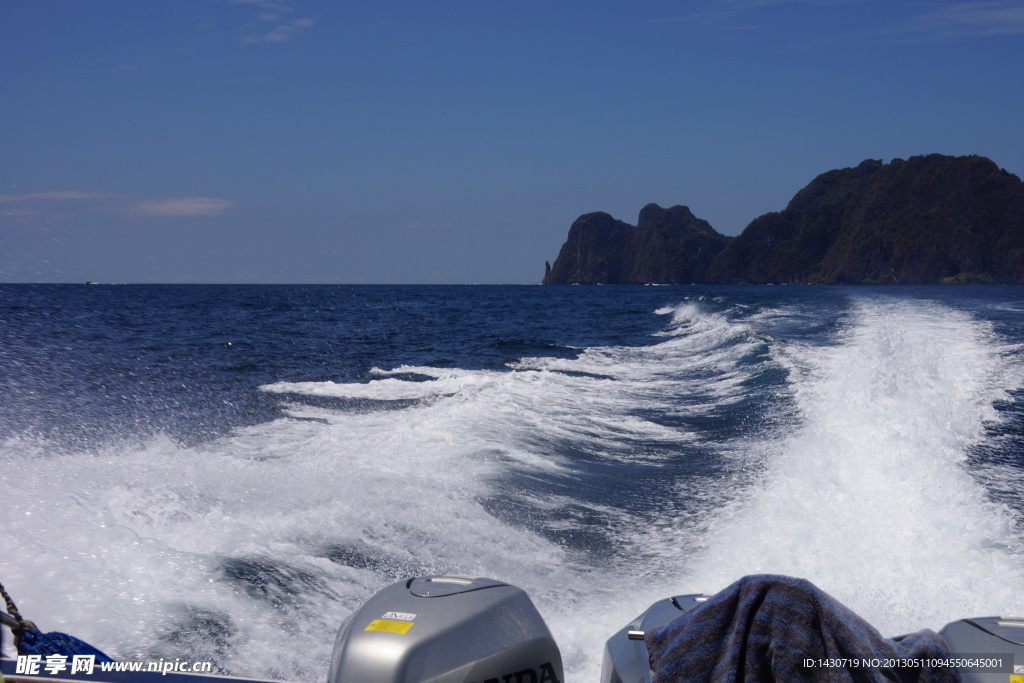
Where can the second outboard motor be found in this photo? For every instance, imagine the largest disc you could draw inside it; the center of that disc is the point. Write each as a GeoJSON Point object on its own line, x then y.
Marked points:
{"type": "Point", "coordinates": [446, 629]}
{"type": "Point", "coordinates": [626, 659]}
{"type": "Point", "coordinates": [983, 639]}
{"type": "Point", "coordinates": [986, 649]}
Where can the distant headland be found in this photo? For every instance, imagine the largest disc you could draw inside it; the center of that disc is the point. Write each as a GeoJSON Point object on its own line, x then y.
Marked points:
{"type": "Point", "coordinates": [924, 220]}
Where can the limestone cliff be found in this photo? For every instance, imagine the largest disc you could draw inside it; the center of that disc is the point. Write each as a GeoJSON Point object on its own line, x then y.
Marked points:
{"type": "Point", "coordinates": [666, 246]}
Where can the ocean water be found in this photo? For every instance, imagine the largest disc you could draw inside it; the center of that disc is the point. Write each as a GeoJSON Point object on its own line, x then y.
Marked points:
{"type": "Point", "coordinates": [224, 473]}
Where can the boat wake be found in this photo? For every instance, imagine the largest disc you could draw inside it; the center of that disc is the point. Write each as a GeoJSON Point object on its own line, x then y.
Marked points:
{"type": "Point", "coordinates": [598, 483]}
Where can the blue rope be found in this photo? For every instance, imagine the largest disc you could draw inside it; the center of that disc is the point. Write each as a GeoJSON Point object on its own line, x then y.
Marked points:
{"type": "Point", "coordinates": [35, 642]}
{"type": "Point", "coordinates": [31, 641]}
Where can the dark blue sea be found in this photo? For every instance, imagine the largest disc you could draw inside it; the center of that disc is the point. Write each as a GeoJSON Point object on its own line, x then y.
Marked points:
{"type": "Point", "coordinates": [224, 473]}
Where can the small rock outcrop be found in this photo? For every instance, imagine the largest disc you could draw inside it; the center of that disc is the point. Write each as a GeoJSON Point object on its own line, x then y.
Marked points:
{"type": "Point", "coordinates": [666, 246]}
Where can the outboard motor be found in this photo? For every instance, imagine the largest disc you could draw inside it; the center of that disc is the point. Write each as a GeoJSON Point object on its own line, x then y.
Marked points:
{"type": "Point", "coordinates": [626, 659]}
{"type": "Point", "coordinates": [446, 629]}
{"type": "Point", "coordinates": [980, 641]}
{"type": "Point", "coordinates": [987, 648]}
{"type": "Point", "coordinates": [464, 629]}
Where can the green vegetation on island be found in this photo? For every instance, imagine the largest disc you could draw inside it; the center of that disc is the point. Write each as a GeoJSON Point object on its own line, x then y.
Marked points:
{"type": "Point", "coordinates": [925, 220]}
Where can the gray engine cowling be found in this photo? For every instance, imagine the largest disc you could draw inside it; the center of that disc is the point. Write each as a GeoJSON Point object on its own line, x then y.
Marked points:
{"type": "Point", "coordinates": [975, 643]}
{"type": "Point", "coordinates": [446, 629]}
{"type": "Point", "coordinates": [985, 638]}
{"type": "Point", "coordinates": [626, 659]}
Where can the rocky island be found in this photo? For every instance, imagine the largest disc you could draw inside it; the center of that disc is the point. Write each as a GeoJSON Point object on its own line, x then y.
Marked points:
{"type": "Point", "coordinates": [925, 220]}
{"type": "Point", "coordinates": [667, 245]}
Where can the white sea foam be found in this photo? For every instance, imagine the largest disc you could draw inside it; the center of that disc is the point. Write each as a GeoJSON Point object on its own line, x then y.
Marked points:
{"type": "Point", "coordinates": [138, 536]}
{"type": "Point", "coordinates": [865, 494]}
{"type": "Point", "coordinates": [442, 383]}
{"type": "Point", "coordinates": [868, 496]}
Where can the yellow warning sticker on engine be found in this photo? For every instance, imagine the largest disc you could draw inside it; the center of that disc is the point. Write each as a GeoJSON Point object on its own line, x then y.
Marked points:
{"type": "Point", "coordinates": [390, 625]}
{"type": "Point", "coordinates": [1016, 678]}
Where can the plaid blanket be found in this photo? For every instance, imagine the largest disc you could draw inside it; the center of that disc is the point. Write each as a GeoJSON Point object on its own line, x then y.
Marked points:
{"type": "Point", "coordinates": [776, 628]}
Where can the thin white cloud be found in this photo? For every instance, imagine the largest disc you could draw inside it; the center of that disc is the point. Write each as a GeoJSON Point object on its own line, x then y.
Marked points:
{"type": "Point", "coordinates": [187, 206]}
{"type": "Point", "coordinates": [20, 212]}
{"type": "Point", "coordinates": [754, 4]}
{"type": "Point", "coordinates": [55, 196]}
{"type": "Point", "coordinates": [43, 205]}
{"type": "Point", "coordinates": [267, 5]}
{"type": "Point", "coordinates": [965, 19]}
{"type": "Point", "coordinates": [274, 12]}
{"type": "Point", "coordinates": [924, 21]}
{"type": "Point", "coordinates": [709, 17]}
{"type": "Point", "coordinates": [279, 34]}
{"type": "Point", "coordinates": [724, 11]}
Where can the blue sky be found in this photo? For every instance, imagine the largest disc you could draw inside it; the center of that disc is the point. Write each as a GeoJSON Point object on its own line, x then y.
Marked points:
{"type": "Point", "coordinates": [453, 142]}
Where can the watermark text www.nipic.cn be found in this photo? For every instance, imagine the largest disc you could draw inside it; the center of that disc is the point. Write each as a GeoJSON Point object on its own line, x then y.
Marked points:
{"type": "Point", "coordinates": [86, 664]}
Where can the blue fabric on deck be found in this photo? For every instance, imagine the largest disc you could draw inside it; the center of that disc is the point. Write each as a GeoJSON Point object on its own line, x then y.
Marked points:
{"type": "Point", "coordinates": [34, 642]}
{"type": "Point", "coordinates": [762, 628]}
